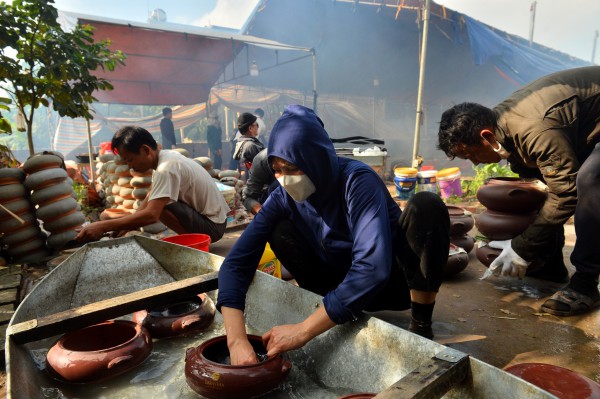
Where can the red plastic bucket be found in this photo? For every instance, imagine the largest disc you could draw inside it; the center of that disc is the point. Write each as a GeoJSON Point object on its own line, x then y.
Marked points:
{"type": "Point", "coordinates": [106, 147]}
{"type": "Point", "coordinates": [196, 241]}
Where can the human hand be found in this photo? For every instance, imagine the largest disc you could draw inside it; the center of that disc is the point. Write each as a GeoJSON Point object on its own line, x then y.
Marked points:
{"type": "Point", "coordinates": [91, 232]}
{"type": "Point", "coordinates": [508, 263]}
{"type": "Point", "coordinates": [242, 353]}
{"type": "Point", "coordinates": [284, 338]}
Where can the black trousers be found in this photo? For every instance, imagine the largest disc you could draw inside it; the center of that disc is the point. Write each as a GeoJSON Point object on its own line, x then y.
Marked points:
{"type": "Point", "coordinates": [420, 251]}
{"type": "Point", "coordinates": [586, 254]}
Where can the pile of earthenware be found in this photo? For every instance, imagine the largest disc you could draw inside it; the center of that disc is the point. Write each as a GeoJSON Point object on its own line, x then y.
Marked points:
{"type": "Point", "coordinates": [22, 236]}
{"type": "Point", "coordinates": [229, 178]}
{"type": "Point", "coordinates": [52, 194]}
{"type": "Point", "coordinates": [461, 243]}
{"type": "Point", "coordinates": [511, 205]}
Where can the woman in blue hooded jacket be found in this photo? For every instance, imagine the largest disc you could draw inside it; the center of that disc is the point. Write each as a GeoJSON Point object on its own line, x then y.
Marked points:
{"type": "Point", "coordinates": [336, 228]}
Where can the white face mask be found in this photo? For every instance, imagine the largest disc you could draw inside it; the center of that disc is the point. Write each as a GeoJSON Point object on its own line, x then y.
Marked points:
{"type": "Point", "coordinates": [299, 187]}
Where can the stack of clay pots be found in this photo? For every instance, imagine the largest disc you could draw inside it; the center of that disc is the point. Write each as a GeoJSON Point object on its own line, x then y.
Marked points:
{"type": "Point", "coordinates": [53, 195]}
{"type": "Point", "coordinates": [24, 241]}
{"type": "Point", "coordinates": [512, 204]}
{"type": "Point", "coordinates": [229, 178]}
{"type": "Point", "coordinates": [461, 243]}
{"type": "Point", "coordinates": [102, 180]}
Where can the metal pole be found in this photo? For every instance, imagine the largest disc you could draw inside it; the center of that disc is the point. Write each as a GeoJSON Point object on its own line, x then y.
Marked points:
{"type": "Point", "coordinates": [415, 160]}
{"type": "Point", "coordinates": [90, 152]}
{"type": "Point", "coordinates": [594, 48]}
{"type": "Point", "coordinates": [314, 62]}
{"type": "Point", "coordinates": [532, 23]}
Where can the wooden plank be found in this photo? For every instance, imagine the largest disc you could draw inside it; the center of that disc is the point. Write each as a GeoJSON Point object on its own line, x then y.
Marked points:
{"type": "Point", "coordinates": [432, 379]}
{"type": "Point", "coordinates": [73, 319]}
{"type": "Point", "coordinates": [10, 281]}
{"type": "Point", "coordinates": [8, 296]}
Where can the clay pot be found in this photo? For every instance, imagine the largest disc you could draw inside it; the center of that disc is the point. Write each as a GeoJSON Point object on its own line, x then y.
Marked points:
{"type": "Point", "coordinates": [18, 207]}
{"type": "Point", "coordinates": [359, 396]}
{"type": "Point", "coordinates": [502, 226]}
{"type": "Point", "coordinates": [45, 178]}
{"type": "Point", "coordinates": [41, 161]}
{"type": "Point", "coordinates": [511, 194]}
{"type": "Point", "coordinates": [99, 352]}
{"type": "Point", "coordinates": [457, 261]}
{"type": "Point", "coordinates": [466, 242]}
{"type": "Point", "coordinates": [559, 381]}
{"type": "Point", "coordinates": [209, 374]}
{"type": "Point", "coordinates": [11, 176]}
{"type": "Point", "coordinates": [52, 193]}
{"type": "Point", "coordinates": [486, 254]}
{"type": "Point", "coordinates": [461, 221]}
{"type": "Point", "coordinates": [179, 318]}
{"type": "Point", "coordinates": [10, 192]}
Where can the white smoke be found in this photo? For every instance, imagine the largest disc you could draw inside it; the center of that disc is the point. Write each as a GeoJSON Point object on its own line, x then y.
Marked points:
{"type": "Point", "coordinates": [228, 13]}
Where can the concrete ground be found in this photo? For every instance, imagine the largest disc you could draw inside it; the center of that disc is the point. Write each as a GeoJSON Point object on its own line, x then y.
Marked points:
{"type": "Point", "coordinates": [498, 320]}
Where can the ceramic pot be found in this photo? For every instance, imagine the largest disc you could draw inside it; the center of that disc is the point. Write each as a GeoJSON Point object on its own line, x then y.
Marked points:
{"type": "Point", "coordinates": [458, 260]}
{"type": "Point", "coordinates": [45, 178]}
{"type": "Point", "coordinates": [41, 161]}
{"type": "Point", "coordinates": [511, 194]}
{"type": "Point", "coordinates": [11, 176]}
{"type": "Point", "coordinates": [486, 254]}
{"type": "Point", "coordinates": [466, 242]}
{"type": "Point", "coordinates": [99, 352]}
{"type": "Point", "coordinates": [179, 318]}
{"type": "Point", "coordinates": [18, 207]}
{"type": "Point", "coordinates": [559, 381]}
{"type": "Point", "coordinates": [502, 226]}
{"type": "Point", "coordinates": [209, 374]}
{"type": "Point", "coordinates": [461, 221]}
{"type": "Point", "coordinates": [10, 192]}
{"type": "Point", "coordinates": [53, 193]}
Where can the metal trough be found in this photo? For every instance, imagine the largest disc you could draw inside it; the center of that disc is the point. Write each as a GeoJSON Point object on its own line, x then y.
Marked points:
{"type": "Point", "coordinates": [114, 278]}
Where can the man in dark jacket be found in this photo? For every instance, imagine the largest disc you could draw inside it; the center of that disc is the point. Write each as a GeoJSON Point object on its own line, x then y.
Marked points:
{"type": "Point", "coordinates": [167, 129]}
{"type": "Point", "coordinates": [260, 183]}
{"type": "Point", "coordinates": [335, 227]}
{"type": "Point", "coordinates": [550, 130]}
{"type": "Point", "coordinates": [214, 135]}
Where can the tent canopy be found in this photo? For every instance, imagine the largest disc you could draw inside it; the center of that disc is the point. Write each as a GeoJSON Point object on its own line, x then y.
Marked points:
{"type": "Point", "coordinates": [167, 64]}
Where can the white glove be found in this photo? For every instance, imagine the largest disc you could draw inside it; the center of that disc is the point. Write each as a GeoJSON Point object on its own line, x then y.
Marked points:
{"type": "Point", "coordinates": [508, 263]}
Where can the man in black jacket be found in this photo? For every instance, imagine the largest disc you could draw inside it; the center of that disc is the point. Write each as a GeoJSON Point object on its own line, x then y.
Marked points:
{"type": "Point", "coordinates": [167, 130]}
{"type": "Point", "coordinates": [550, 130]}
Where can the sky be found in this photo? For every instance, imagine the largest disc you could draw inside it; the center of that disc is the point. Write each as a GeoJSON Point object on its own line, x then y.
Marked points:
{"type": "Point", "coordinates": [567, 26]}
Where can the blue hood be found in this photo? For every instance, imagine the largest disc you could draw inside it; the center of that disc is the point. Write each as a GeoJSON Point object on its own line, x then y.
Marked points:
{"type": "Point", "coordinates": [300, 138]}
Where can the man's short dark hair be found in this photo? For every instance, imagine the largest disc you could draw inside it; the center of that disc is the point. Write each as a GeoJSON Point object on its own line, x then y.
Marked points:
{"type": "Point", "coordinates": [462, 124]}
{"type": "Point", "coordinates": [259, 112]}
{"type": "Point", "coordinates": [166, 111]}
{"type": "Point", "coordinates": [132, 138]}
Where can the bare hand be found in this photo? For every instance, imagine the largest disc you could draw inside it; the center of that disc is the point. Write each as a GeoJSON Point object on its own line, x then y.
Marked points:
{"type": "Point", "coordinates": [242, 353]}
{"type": "Point", "coordinates": [91, 232]}
{"type": "Point", "coordinates": [280, 339]}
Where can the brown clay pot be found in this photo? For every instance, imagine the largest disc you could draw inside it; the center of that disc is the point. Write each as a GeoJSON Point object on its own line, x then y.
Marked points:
{"type": "Point", "coordinates": [559, 381]}
{"type": "Point", "coordinates": [11, 176]}
{"type": "Point", "coordinates": [41, 161]}
{"type": "Point", "coordinates": [208, 373]}
{"type": "Point", "coordinates": [99, 352]}
{"type": "Point", "coordinates": [486, 254]}
{"type": "Point", "coordinates": [461, 221]}
{"type": "Point", "coordinates": [457, 262]}
{"type": "Point", "coordinates": [466, 242]}
{"type": "Point", "coordinates": [179, 318]}
{"type": "Point", "coordinates": [511, 194]}
{"type": "Point", "coordinates": [503, 226]}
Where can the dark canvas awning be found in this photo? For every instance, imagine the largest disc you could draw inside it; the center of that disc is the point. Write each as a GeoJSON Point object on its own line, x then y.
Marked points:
{"type": "Point", "coordinates": [167, 64]}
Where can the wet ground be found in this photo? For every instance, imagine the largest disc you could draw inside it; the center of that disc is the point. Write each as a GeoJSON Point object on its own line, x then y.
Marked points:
{"type": "Point", "coordinates": [498, 320]}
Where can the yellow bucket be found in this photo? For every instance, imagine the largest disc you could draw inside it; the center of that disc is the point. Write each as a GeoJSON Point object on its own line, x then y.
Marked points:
{"type": "Point", "coordinates": [405, 172]}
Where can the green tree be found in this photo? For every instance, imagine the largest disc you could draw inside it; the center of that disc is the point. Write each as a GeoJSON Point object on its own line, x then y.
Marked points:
{"type": "Point", "coordinates": [40, 62]}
